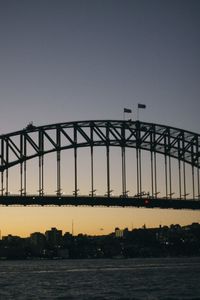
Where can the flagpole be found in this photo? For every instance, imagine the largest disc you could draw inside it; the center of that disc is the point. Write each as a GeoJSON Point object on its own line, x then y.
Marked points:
{"type": "Point", "coordinates": [128, 111]}
{"type": "Point", "coordinates": [138, 107]}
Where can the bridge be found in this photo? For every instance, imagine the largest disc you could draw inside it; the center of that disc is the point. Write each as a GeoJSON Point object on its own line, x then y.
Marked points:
{"type": "Point", "coordinates": [162, 161]}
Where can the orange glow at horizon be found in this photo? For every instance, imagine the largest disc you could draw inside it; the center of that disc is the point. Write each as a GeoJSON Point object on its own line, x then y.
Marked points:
{"type": "Point", "coordinates": [22, 221]}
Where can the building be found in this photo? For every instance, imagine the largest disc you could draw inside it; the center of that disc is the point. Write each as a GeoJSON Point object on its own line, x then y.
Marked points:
{"type": "Point", "coordinates": [119, 232]}
{"type": "Point", "coordinates": [37, 239]}
{"type": "Point", "coordinates": [53, 237]}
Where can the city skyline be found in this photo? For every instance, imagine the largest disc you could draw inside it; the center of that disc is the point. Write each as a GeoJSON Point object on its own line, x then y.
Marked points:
{"type": "Point", "coordinates": [117, 230]}
{"type": "Point", "coordinates": [72, 60]}
{"type": "Point", "coordinates": [172, 241]}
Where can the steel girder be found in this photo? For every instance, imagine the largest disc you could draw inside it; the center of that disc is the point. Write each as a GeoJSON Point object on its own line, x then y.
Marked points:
{"type": "Point", "coordinates": [53, 200]}
{"type": "Point", "coordinates": [32, 141]}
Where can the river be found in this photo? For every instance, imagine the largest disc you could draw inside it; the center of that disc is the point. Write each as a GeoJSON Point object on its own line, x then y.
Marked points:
{"type": "Point", "coordinates": [148, 278]}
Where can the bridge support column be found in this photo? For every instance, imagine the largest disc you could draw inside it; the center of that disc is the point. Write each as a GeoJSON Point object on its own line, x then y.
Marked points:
{"type": "Point", "coordinates": [123, 172]}
{"type": "Point", "coordinates": [139, 172]}
{"type": "Point", "coordinates": [166, 177]}
{"type": "Point", "coordinates": [21, 179]}
{"type": "Point", "coordinates": [170, 178]}
{"type": "Point", "coordinates": [7, 161]}
{"type": "Point", "coordinates": [180, 181]}
{"type": "Point", "coordinates": [193, 188]}
{"type": "Point", "coordinates": [155, 175]}
{"type": "Point", "coordinates": [198, 184]}
{"type": "Point", "coordinates": [41, 175]}
{"type": "Point", "coordinates": [7, 184]}
{"type": "Point", "coordinates": [23, 151]}
{"type": "Point", "coordinates": [25, 178]}
{"type": "Point", "coordinates": [152, 175]}
{"type": "Point", "coordinates": [140, 165]}
{"type": "Point", "coordinates": [137, 164]}
{"type": "Point", "coordinates": [184, 181]}
{"type": "Point", "coordinates": [108, 169]}
{"type": "Point", "coordinates": [58, 192]}
{"type": "Point", "coordinates": [92, 171]}
{"type": "Point", "coordinates": [2, 162]}
{"type": "Point", "coordinates": [2, 183]}
{"type": "Point", "coordinates": [75, 173]}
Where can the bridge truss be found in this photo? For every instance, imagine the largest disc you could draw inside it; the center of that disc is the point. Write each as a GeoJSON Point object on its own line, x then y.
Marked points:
{"type": "Point", "coordinates": [17, 148]}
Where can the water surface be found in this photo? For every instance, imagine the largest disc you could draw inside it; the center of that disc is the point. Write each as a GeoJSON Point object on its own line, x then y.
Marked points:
{"type": "Point", "coordinates": [166, 279]}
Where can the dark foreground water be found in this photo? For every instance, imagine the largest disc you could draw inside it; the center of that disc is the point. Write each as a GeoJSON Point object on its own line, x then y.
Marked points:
{"type": "Point", "coordinates": [101, 279]}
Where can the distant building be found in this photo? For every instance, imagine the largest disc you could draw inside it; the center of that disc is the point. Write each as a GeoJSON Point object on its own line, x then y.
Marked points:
{"type": "Point", "coordinates": [37, 239]}
{"type": "Point", "coordinates": [10, 238]}
{"type": "Point", "coordinates": [53, 237]}
{"type": "Point", "coordinates": [119, 232]}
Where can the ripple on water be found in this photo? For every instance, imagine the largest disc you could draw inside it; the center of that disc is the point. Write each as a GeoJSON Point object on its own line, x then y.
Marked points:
{"type": "Point", "coordinates": [135, 279]}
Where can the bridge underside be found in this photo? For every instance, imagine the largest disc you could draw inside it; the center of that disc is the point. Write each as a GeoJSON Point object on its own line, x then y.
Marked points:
{"type": "Point", "coordinates": [163, 203]}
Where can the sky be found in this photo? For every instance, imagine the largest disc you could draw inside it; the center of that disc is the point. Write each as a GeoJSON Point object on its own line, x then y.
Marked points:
{"type": "Point", "coordinates": [64, 61]}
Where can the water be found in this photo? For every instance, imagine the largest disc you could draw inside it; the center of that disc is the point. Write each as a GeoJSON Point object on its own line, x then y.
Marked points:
{"type": "Point", "coordinates": [136, 279]}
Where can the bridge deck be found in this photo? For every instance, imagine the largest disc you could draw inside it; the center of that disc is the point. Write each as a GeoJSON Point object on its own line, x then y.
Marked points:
{"type": "Point", "coordinates": [112, 201]}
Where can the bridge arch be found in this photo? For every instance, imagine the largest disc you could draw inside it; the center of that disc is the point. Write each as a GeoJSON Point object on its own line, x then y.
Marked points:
{"type": "Point", "coordinates": [18, 147]}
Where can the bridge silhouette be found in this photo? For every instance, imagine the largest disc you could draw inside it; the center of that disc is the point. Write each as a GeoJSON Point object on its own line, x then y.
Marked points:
{"type": "Point", "coordinates": [179, 167]}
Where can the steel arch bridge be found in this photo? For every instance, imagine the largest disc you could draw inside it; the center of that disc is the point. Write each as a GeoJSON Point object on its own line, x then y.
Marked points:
{"type": "Point", "coordinates": [173, 144]}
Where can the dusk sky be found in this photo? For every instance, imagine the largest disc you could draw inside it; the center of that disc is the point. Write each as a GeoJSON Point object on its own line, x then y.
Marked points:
{"type": "Point", "coordinates": [76, 60]}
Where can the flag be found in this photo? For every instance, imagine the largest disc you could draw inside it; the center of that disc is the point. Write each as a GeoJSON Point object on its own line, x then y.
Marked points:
{"type": "Point", "coordinates": [141, 105]}
{"type": "Point", "coordinates": [127, 110]}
